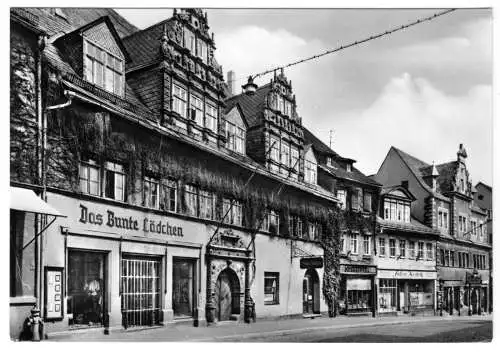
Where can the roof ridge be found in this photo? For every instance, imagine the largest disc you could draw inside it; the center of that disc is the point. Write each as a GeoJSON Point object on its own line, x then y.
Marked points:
{"type": "Point", "coordinates": [411, 156]}
{"type": "Point", "coordinates": [147, 28]}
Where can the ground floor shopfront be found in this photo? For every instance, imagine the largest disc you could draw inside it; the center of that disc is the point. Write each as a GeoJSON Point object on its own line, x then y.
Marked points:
{"type": "Point", "coordinates": [406, 291]}
{"type": "Point", "coordinates": [464, 292]}
{"type": "Point", "coordinates": [357, 289]}
{"type": "Point", "coordinates": [118, 266]}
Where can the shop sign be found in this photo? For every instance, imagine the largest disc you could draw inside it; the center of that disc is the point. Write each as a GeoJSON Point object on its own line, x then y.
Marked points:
{"type": "Point", "coordinates": [473, 278]}
{"type": "Point", "coordinates": [358, 284]}
{"type": "Point", "coordinates": [112, 219]}
{"type": "Point", "coordinates": [357, 269]}
{"type": "Point", "coordinates": [405, 274]}
{"type": "Point", "coordinates": [311, 262]}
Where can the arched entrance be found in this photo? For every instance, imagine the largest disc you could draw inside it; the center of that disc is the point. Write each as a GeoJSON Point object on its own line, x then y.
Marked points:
{"type": "Point", "coordinates": [310, 289]}
{"type": "Point", "coordinates": [227, 295]}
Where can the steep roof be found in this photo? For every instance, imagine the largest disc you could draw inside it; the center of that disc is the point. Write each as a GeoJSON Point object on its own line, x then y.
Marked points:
{"type": "Point", "coordinates": [446, 176]}
{"type": "Point", "coordinates": [252, 105]}
{"type": "Point", "coordinates": [484, 185]}
{"type": "Point", "coordinates": [414, 226]}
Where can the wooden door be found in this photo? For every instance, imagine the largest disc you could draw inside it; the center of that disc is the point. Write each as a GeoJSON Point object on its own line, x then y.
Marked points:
{"type": "Point", "coordinates": [307, 289]}
{"type": "Point", "coordinates": [223, 297]}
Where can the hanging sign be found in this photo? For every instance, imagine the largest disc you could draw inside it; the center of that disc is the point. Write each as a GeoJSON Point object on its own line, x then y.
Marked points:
{"type": "Point", "coordinates": [311, 262]}
{"type": "Point", "coordinates": [53, 293]}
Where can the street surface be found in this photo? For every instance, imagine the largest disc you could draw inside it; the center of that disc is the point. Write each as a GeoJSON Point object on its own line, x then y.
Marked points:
{"type": "Point", "coordinates": [365, 329]}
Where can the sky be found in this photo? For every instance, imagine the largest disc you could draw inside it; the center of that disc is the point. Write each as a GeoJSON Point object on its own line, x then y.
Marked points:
{"type": "Point", "coordinates": [424, 90]}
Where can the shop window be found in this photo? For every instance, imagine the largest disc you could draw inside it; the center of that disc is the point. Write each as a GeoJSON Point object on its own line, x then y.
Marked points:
{"type": "Point", "coordinates": [207, 204]}
{"type": "Point", "coordinates": [233, 210]}
{"type": "Point", "coordinates": [271, 222]}
{"type": "Point", "coordinates": [211, 117]}
{"type": "Point", "coordinates": [169, 195]}
{"type": "Point", "coordinates": [22, 261]}
{"type": "Point", "coordinates": [392, 247]}
{"type": "Point", "coordinates": [388, 295]}
{"type": "Point", "coordinates": [114, 181]}
{"type": "Point", "coordinates": [86, 288]}
{"type": "Point", "coordinates": [367, 204]}
{"type": "Point", "coordinates": [420, 250]}
{"type": "Point", "coordinates": [179, 100]}
{"type": "Point", "coordinates": [381, 246]}
{"type": "Point", "coordinates": [151, 191]}
{"type": "Point", "coordinates": [183, 287]}
{"type": "Point", "coordinates": [402, 249]}
{"type": "Point", "coordinates": [191, 200]}
{"type": "Point", "coordinates": [89, 178]}
{"type": "Point", "coordinates": [235, 136]}
{"type": "Point", "coordinates": [429, 251]}
{"type": "Point", "coordinates": [196, 110]}
{"type": "Point", "coordinates": [271, 288]}
{"type": "Point", "coordinates": [341, 195]}
{"type": "Point", "coordinates": [103, 69]}
{"type": "Point", "coordinates": [411, 249]}
{"type": "Point", "coordinates": [353, 243]}
{"type": "Point", "coordinates": [366, 245]}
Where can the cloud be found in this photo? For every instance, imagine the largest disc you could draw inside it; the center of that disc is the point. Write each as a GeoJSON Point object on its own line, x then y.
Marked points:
{"type": "Point", "coordinates": [413, 115]}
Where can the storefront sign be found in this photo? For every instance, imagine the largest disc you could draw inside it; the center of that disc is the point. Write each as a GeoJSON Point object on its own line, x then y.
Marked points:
{"type": "Point", "coordinates": [111, 219]}
{"type": "Point", "coordinates": [53, 293]}
{"type": "Point", "coordinates": [405, 274]}
{"type": "Point", "coordinates": [357, 269]}
{"type": "Point", "coordinates": [358, 284]}
{"type": "Point", "coordinates": [311, 262]}
{"type": "Point", "coordinates": [473, 278]}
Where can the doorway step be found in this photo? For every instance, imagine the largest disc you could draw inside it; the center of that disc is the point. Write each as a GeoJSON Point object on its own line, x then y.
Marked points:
{"type": "Point", "coordinates": [310, 316]}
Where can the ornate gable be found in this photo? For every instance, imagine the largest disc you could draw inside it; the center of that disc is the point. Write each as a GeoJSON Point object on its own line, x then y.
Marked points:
{"type": "Point", "coordinates": [101, 35]}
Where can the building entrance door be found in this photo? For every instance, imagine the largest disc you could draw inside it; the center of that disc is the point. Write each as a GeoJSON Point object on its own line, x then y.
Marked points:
{"type": "Point", "coordinates": [227, 295]}
{"type": "Point", "coordinates": [310, 292]}
{"type": "Point", "coordinates": [140, 291]}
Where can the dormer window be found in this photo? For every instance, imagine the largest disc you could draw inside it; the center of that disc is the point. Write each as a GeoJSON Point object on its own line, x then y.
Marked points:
{"type": "Point", "coordinates": [103, 69]}
{"type": "Point", "coordinates": [235, 138]}
{"type": "Point", "coordinates": [348, 167]}
{"type": "Point", "coordinates": [310, 171]}
{"type": "Point", "coordinates": [397, 210]}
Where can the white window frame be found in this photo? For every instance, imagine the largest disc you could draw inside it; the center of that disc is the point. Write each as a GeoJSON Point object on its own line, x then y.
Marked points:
{"type": "Point", "coordinates": [366, 244]}
{"type": "Point", "coordinates": [285, 153]}
{"type": "Point", "coordinates": [207, 200]}
{"type": "Point", "coordinates": [311, 172]}
{"type": "Point", "coordinates": [169, 185]}
{"type": "Point", "coordinates": [381, 247]}
{"type": "Point", "coordinates": [235, 216]}
{"type": "Point", "coordinates": [151, 200]}
{"type": "Point", "coordinates": [179, 100]}
{"type": "Point", "coordinates": [428, 252]}
{"type": "Point", "coordinates": [269, 217]}
{"type": "Point", "coordinates": [118, 171]}
{"type": "Point", "coordinates": [89, 165]}
{"type": "Point", "coordinates": [196, 106]}
{"type": "Point", "coordinates": [342, 196]}
{"type": "Point", "coordinates": [353, 243]}
{"type": "Point", "coordinates": [402, 248]}
{"type": "Point", "coordinates": [211, 116]}
{"type": "Point", "coordinates": [392, 249]}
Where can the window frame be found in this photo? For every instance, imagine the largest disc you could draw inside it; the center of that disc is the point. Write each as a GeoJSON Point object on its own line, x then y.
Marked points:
{"type": "Point", "coordinates": [148, 198]}
{"type": "Point", "coordinates": [381, 246]}
{"type": "Point", "coordinates": [112, 167]}
{"type": "Point", "coordinates": [392, 247]}
{"type": "Point", "coordinates": [181, 108]}
{"type": "Point", "coordinates": [275, 293]}
{"type": "Point", "coordinates": [88, 165]}
{"type": "Point", "coordinates": [167, 185]}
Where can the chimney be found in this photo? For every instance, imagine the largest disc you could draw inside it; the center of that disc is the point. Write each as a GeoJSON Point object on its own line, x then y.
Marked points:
{"type": "Point", "coordinates": [404, 183]}
{"type": "Point", "coordinates": [250, 87]}
{"type": "Point", "coordinates": [230, 82]}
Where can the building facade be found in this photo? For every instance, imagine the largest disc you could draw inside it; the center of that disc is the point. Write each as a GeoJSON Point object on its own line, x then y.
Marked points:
{"type": "Point", "coordinates": [406, 260]}
{"type": "Point", "coordinates": [177, 206]}
{"type": "Point", "coordinates": [359, 197]}
{"type": "Point", "coordinates": [444, 202]}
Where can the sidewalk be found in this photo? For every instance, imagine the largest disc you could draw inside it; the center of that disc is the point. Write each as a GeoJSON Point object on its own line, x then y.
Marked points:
{"type": "Point", "coordinates": [247, 331]}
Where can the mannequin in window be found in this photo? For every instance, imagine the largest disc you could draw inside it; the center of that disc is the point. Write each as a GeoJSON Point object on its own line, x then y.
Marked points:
{"type": "Point", "coordinates": [94, 300]}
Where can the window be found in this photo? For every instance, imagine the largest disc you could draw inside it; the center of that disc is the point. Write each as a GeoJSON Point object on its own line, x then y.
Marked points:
{"type": "Point", "coordinates": [280, 104]}
{"type": "Point", "coordinates": [189, 40]}
{"type": "Point", "coordinates": [202, 50]}
{"type": "Point", "coordinates": [429, 251]}
{"type": "Point", "coordinates": [392, 247]}
{"type": "Point", "coordinates": [343, 244]}
{"type": "Point", "coordinates": [367, 204]}
{"type": "Point", "coordinates": [295, 226]}
{"type": "Point", "coordinates": [89, 178]}
{"type": "Point", "coordinates": [473, 226]}
{"type": "Point", "coordinates": [191, 200]}
{"type": "Point", "coordinates": [211, 117]}
{"type": "Point", "coordinates": [294, 158]}
{"type": "Point", "coordinates": [103, 69]}
{"type": "Point", "coordinates": [207, 204]}
{"type": "Point", "coordinates": [329, 161]}
{"type": "Point", "coordinates": [467, 260]}
{"type": "Point", "coordinates": [441, 257]}
{"type": "Point", "coordinates": [288, 108]}
{"type": "Point", "coordinates": [396, 210]}
{"type": "Point", "coordinates": [234, 216]}
{"type": "Point", "coordinates": [285, 153]}
{"type": "Point", "coordinates": [460, 259]}
{"type": "Point", "coordinates": [22, 261]}
{"type": "Point", "coordinates": [169, 202]}
{"type": "Point", "coordinates": [271, 288]}
{"type": "Point", "coordinates": [151, 192]}
{"type": "Point", "coordinates": [348, 167]}
{"type": "Point", "coordinates": [271, 222]}
{"type": "Point", "coordinates": [407, 213]}
{"type": "Point", "coordinates": [356, 199]}
{"type": "Point", "coordinates": [402, 249]}
{"type": "Point", "coordinates": [196, 110]}
{"type": "Point", "coordinates": [114, 179]}
{"type": "Point", "coordinates": [443, 219]}
{"type": "Point", "coordinates": [462, 224]}
{"type": "Point", "coordinates": [341, 195]}
{"type": "Point", "coordinates": [235, 137]}
{"type": "Point", "coordinates": [381, 246]}
{"type": "Point", "coordinates": [420, 250]}
{"type": "Point", "coordinates": [447, 258]}
{"type": "Point", "coordinates": [452, 258]}
{"type": "Point", "coordinates": [179, 103]}
{"type": "Point", "coordinates": [275, 149]}
{"type": "Point", "coordinates": [366, 245]}
{"type": "Point", "coordinates": [310, 171]}
{"type": "Point", "coordinates": [353, 243]}
{"type": "Point", "coordinates": [411, 249]}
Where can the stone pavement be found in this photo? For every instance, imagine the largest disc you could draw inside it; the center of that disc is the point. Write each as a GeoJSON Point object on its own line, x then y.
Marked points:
{"type": "Point", "coordinates": [244, 331]}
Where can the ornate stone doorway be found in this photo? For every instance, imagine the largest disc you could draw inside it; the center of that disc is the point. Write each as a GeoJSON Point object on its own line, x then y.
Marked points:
{"type": "Point", "coordinates": [227, 295]}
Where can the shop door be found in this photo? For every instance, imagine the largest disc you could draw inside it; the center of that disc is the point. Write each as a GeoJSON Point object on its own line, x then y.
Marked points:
{"type": "Point", "coordinates": [183, 287]}
{"type": "Point", "coordinates": [140, 291]}
{"type": "Point", "coordinates": [310, 290]}
{"type": "Point", "coordinates": [223, 297]}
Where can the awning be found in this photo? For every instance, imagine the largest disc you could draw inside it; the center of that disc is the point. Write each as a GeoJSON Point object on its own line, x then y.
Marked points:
{"type": "Point", "coordinates": [27, 201]}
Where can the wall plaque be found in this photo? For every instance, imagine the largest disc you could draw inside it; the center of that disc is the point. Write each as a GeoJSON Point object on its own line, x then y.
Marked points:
{"type": "Point", "coordinates": [53, 293]}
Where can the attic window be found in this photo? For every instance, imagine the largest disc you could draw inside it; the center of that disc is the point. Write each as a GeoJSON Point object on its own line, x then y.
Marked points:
{"type": "Point", "coordinates": [103, 69]}
{"type": "Point", "coordinates": [348, 167]}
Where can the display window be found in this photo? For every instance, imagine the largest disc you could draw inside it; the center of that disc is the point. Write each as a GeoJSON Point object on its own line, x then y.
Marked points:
{"type": "Point", "coordinates": [183, 287]}
{"type": "Point", "coordinates": [86, 288]}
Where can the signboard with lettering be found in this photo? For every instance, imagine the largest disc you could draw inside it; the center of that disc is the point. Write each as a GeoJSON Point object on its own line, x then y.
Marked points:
{"type": "Point", "coordinates": [357, 269]}
{"type": "Point", "coordinates": [53, 293]}
{"type": "Point", "coordinates": [311, 262]}
{"type": "Point", "coordinates": [406, 274]}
